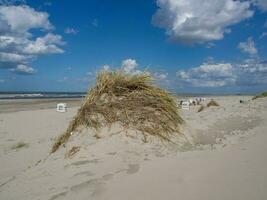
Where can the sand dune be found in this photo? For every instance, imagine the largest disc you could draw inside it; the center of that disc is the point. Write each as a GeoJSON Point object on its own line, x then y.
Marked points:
{"type": "Point", "coordinates": [222, 156]}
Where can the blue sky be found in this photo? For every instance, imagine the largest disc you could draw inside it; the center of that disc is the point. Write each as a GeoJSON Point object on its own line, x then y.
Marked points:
{"type": "Point", "coordinates": [216, 46]}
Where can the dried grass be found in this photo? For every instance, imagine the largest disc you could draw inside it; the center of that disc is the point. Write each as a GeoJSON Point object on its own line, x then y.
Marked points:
{"type": "Point", "coordinates": [131, 100]}
{"type": "Point", "coordinates": [201, 108]}
{"type": "Point", "coordinates": [212, 103]}
{"type": "Point", "coordinates": [19, 146]}
{"type": "Point", "coordinates": [72, 152]}
{"type": "Point", "coordinates": [262, 95]}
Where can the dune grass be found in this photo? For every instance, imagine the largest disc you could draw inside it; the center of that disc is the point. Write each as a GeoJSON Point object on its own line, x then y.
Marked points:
{"type": "Point", "coordinates": [72, 151]}
{"type": "Point", "coordinates": [212, 103]}
{"type": "Point", "coordinates": [201, 108]}
{"type": "Point", "coordinates": [19, 146]}
{"type": "Point", "coordinates": [132, 100]}
{"type": "Point", "coordinates": [262, 95]}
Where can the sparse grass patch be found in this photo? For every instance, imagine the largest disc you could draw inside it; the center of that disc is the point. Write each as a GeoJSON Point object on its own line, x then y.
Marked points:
{"type": "Point", "coordinates": [262, 95]}
{"type": "Point", "coordinates": [201, 108]}
{"type": "Point", "coordinates": [72, 151]}
{"type": "Point", "coordinates": [212, 103]}
{"type": "Point", "coordinates": [19, 146]}
{"type": "Point", "coordinates": [131, 100]}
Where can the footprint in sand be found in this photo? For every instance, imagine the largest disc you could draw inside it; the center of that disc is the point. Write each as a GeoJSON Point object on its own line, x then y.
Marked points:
{"type": "Point", "coordinates": [112, 153]}
{"type": "Point", "coordinates": [57, 196]}
{"type": "Point", "coordinates": [8, 180]}
{"type": "Point", "coordinates": [82, 162]}
{"type": "Point", "coordinates": [87, 173]}
{"type": "Point", "coordinates": [107, 177]}
{"type": "Point", "coordinates": [94, 186]}
{"type": "Point", "coordinates": [132, 168]}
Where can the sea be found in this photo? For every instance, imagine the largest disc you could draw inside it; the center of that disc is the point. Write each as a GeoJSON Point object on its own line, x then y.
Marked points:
{"type": "Point", "coordinates": [40, 95]}
{"type": "Point", "coordinates": [56, 95]}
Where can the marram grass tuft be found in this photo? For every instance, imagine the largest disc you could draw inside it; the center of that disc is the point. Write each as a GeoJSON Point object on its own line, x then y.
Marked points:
{"type": "Point", "coordinates": [212, 103]}
{"type": "Point", "coordinates": [262, 95]}
{"type": "Point", "coordinates": [131, 100]}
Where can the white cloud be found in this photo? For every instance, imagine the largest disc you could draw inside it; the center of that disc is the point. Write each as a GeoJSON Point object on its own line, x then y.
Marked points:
{"type": "Point", "coordinates": [24, 70]}
{"type": "Point", "coordinates": [254, 65]}
{"type": "Point", "coordinates": [12, 58]}
{"type": "Point", "coordinates": [210, 45]}
{"type": "Point", "coordinates": [160, 75]}
{"type": "Point", "coordinates": [106, 67]}
{"type": "Point", "coordinates": [22, 18]}
{"type": "Point", "coordinates": [194, 21]}
{"type": "Point", "coordinates": [69, 30]}
{"type": "Point", "coordinates": [45, 45]}
{"type": "Point", "coordinates": [17, 45]}
{"type": "Point", "coordinates": [2, 80]}
{"type": "Point", "coordinates": [208, 75]}
{"type": "Point", "coordinates": [248, 47]}
{"type": "Point", "coordinates": [262, 4]}
{"type": "Point", "coordinates": [129, 65]}
{"type": "Point", "coordinates": [251, 72]}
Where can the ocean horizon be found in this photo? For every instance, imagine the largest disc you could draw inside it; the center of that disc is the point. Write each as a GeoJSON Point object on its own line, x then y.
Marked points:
{"type": "Point", "coordinates": [39, 95]}
{"type": "Point", "coordinates": [50, 95]}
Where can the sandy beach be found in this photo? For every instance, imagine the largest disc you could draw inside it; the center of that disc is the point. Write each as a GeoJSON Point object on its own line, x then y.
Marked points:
{"type": "Point", "coordinates": [222, 155]}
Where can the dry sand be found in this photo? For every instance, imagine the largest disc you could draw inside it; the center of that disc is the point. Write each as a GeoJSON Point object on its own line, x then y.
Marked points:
{"type": "Point", "coordinates": [222, 157]}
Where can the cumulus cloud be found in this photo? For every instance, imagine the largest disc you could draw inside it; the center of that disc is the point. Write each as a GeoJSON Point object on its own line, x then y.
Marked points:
{"type": "Point", "coordinates": [22, 18]}
{"type": "Point", "coordinates": [18, 44]}
{"type": "Point", "coordinates": [129, 65]}
{"type": "Point", "coordinates": [250, 72]}
{"type": "Point", "coordinates": [262, 4]}
{"type": "Point", "coordinates": [248, 47]}
{"type": "Point", "coordinates": [208, 75]}
{"type": "Point", "coordinates": [44, 45]}
{"type": "Point", "coordinates": [106, 67]}
{"type": "Point", "coordinates": [194, 21]}
{"type": "Point", "coordinates": [12, 57]}
{"type": "Point", "coordinates": [24, 70]}
{"type": "Point", "coordinates": [69, 30]}
{"type": "Point", "coordinates": [160, 75]}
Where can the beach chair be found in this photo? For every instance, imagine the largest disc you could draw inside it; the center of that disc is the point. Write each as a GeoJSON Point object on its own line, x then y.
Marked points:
{"type": "Point", "coordinates": [185, 105]}
{"type": "Point", "coordinates": [61, 107]}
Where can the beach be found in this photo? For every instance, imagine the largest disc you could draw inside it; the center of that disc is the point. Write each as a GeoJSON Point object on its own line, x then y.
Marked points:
{"type": "Point", "coordinates": [222, 155]}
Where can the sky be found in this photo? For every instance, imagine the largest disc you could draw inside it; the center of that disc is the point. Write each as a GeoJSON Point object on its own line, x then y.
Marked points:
{"type": "Point", "coordinates": [188, 46]}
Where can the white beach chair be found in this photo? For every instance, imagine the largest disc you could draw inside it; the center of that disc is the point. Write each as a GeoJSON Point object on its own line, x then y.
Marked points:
{"type": "Point", "coordinates": [185, 105]}
{"type": "Point", "coordinates": [61, 107]}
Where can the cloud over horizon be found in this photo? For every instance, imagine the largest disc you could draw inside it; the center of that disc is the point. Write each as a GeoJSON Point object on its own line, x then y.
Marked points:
{"type": "Point", "coordinates": [251, 72]}
{"type": "Point", "coordinates": [23, 70]}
